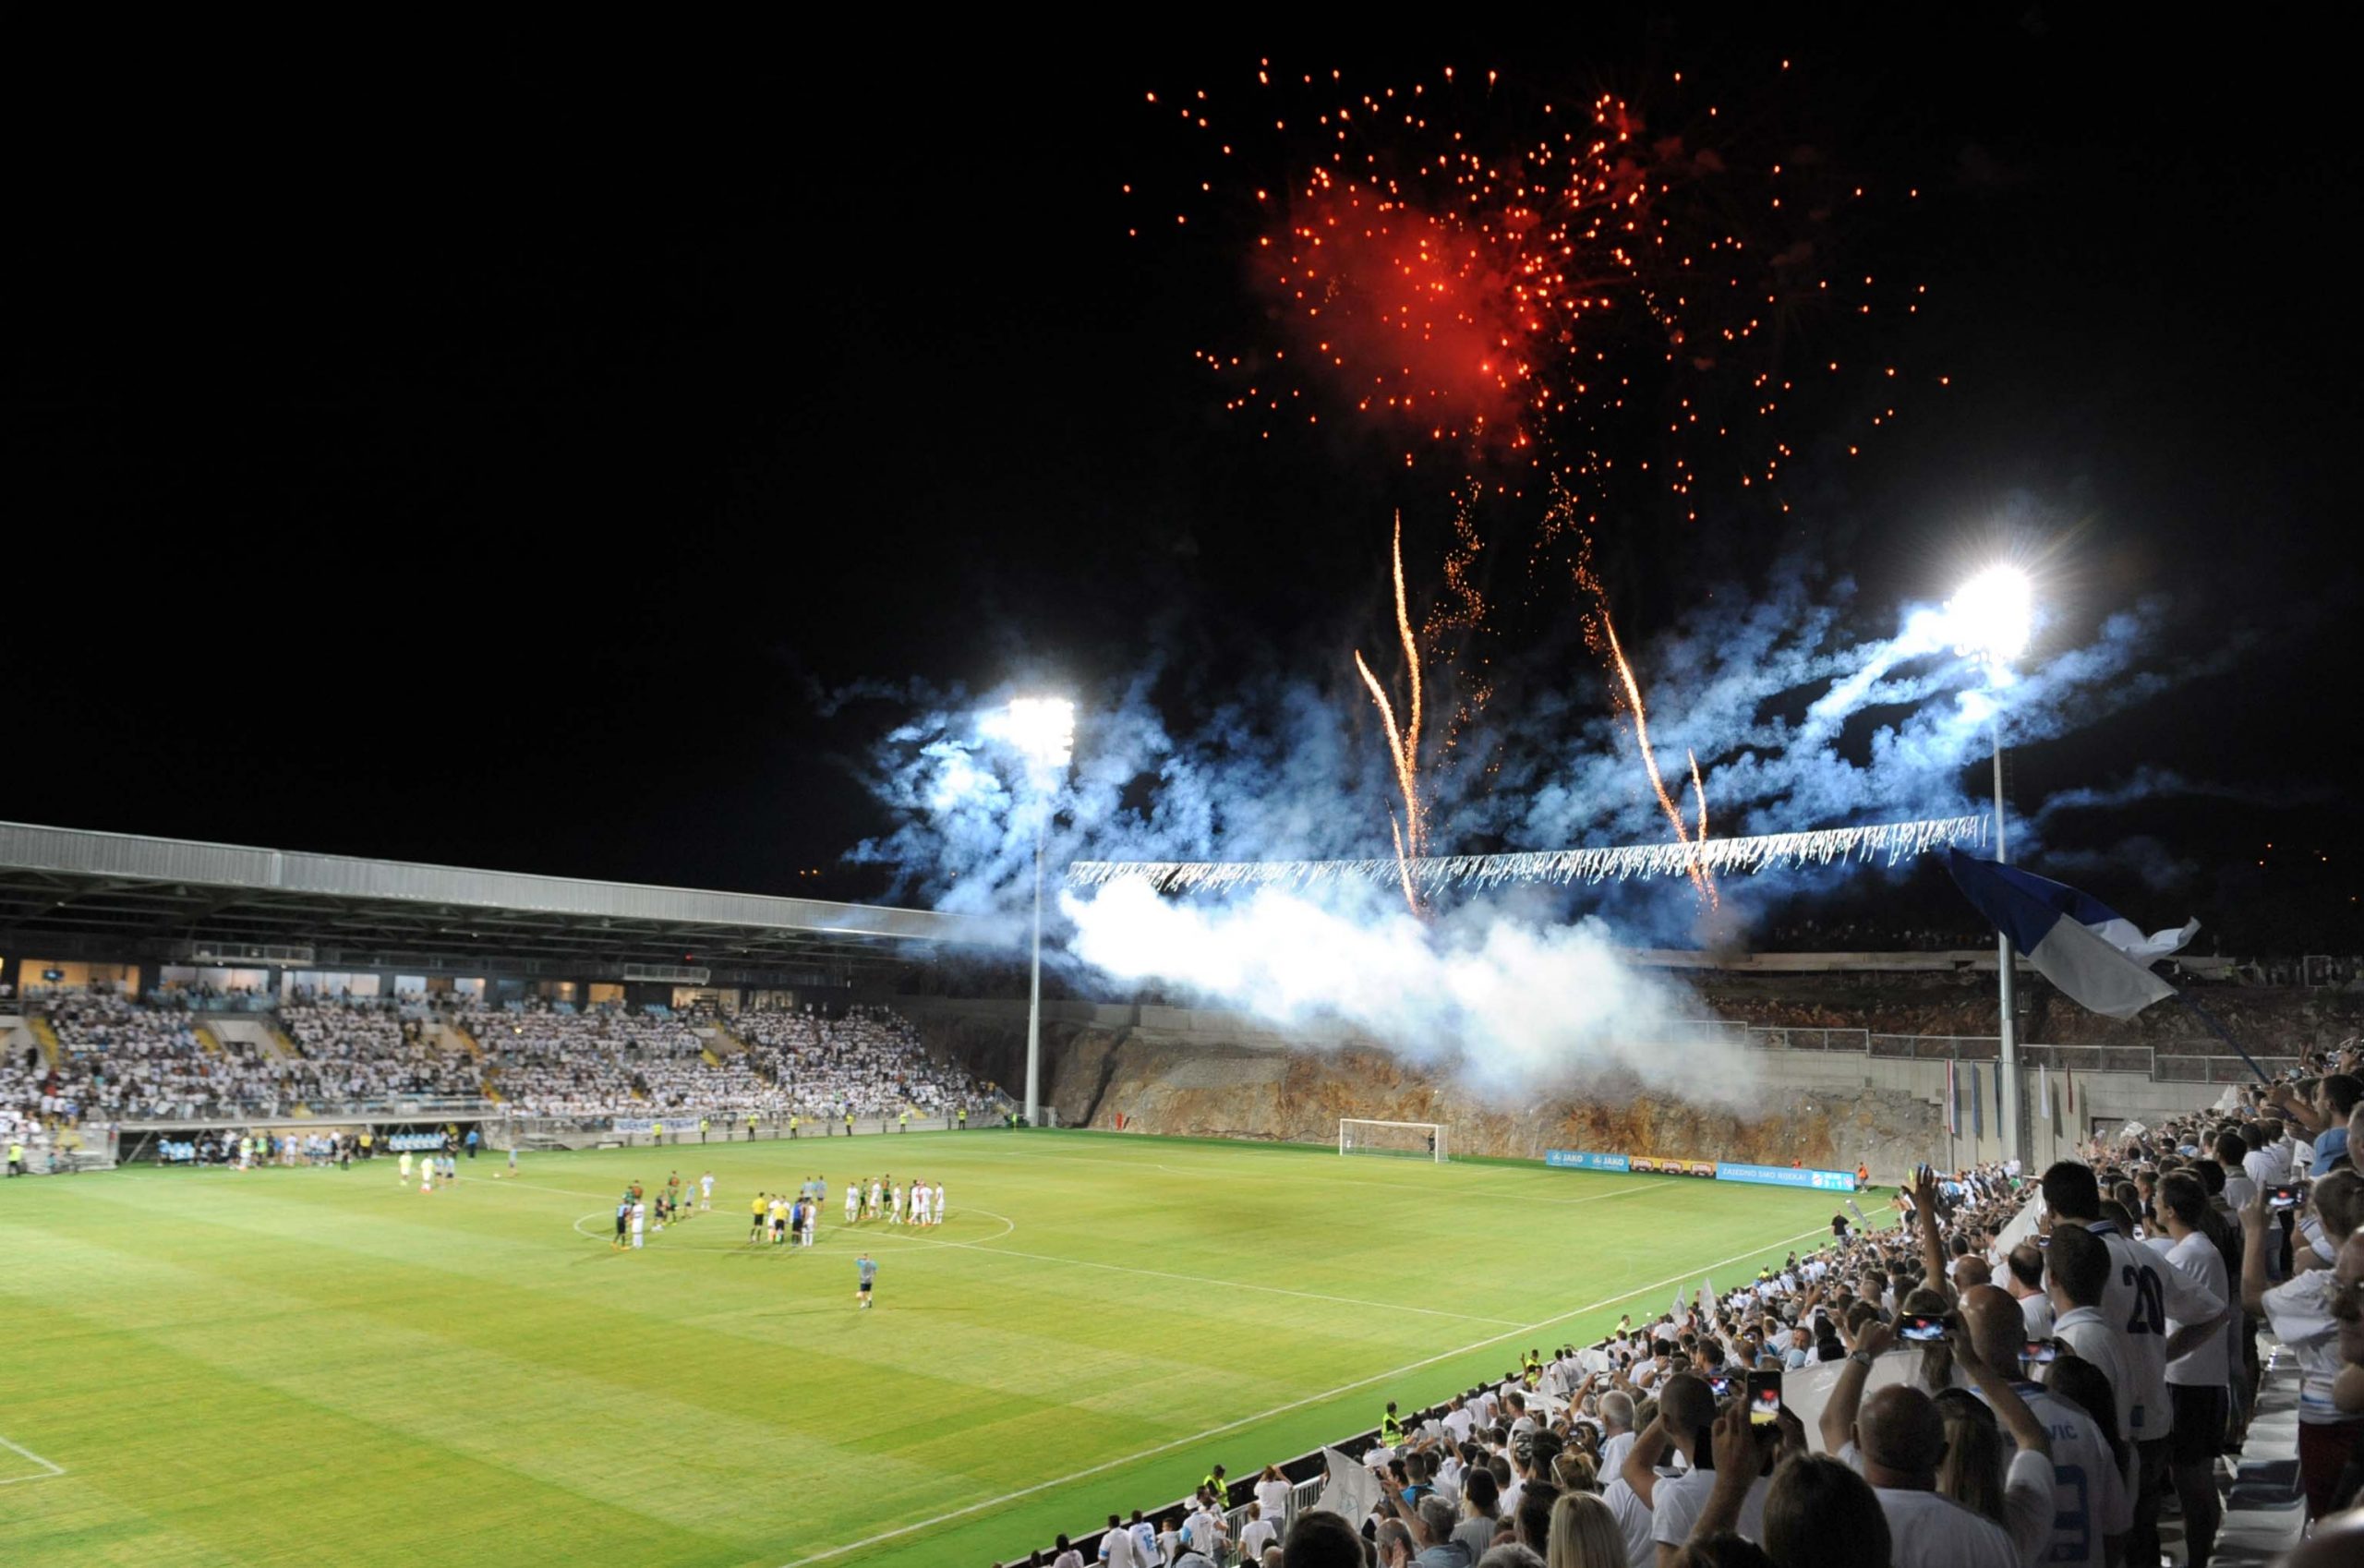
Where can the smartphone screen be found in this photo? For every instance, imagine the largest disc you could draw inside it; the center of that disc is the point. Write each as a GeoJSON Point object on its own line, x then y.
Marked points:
{"type": "Point", "coordinates": [2281, 1198]}
{"type": "Point", "coordinates": [1721, 1386]}
{"type": "Point", "coordinates": [2039, 1352]}
{"type": "Point", "coordinates": [1764, 1398]}
{"type": "Point", "coordinates": [1922, 1328]}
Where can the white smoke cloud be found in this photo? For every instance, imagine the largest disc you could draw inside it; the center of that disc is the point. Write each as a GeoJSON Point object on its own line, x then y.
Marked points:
{"type": "Point", "coordinates": [1507, 1006]}
{"type": "Point", "coordinates": [1798, 718]}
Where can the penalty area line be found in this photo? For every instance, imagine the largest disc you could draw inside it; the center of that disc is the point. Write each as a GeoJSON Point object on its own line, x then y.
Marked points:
{"type": "Point", "coordinates": [1341, 1389]}
{"type": "Point", "coordinates": [50, 1469]}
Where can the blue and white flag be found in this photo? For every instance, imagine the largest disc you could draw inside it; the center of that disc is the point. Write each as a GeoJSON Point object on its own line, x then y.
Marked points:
{"type": "Point", "coordinates": [2096, 955]}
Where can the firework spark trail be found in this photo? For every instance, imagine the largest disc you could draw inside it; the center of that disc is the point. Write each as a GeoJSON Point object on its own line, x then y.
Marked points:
{"type": "Point", "coordinates": [1404, 741]}
{"type": "Point", "coordinates": [1698, 791]}
{"type": "Point", "coordinates": [1455, 622]}
{"type": "Point", "coordinates": [1700, 878]}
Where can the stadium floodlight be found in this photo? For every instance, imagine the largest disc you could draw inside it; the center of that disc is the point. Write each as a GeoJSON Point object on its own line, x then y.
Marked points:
{"type": "Point", "coordinates": [1042, 728]}
{"type": "Point", "coordinates": [1042, 732]}
{"type": "Point", "coordinates": [1993, 615]}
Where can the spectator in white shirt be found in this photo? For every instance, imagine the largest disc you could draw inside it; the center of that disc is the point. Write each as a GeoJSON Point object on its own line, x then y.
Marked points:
{"type": "Point", "coordinates": [2199, 1368]}
{"type": "Point", "coordinates": [1686, 1410]}
{"type": "Point", "coordinates": [1901, 1442]}
{"type": "Point", "coordinates": [1616, 1430]}
{"type": "Point", "coordinates": [1257, 1533]}
{"type": "Point", "coordinates": [2076, 1518]}
{"type": "Point", "coordinates": [1117, 1546]}
{"type": "Point", "coordinates": [2306, 1314]}
{"type": "Point", "coordinates": [1272, 1494]}
{"type": "Point", "coordinates": [2232, 1153]}
{"type": "Point", "coordinates": [2023, 1277]}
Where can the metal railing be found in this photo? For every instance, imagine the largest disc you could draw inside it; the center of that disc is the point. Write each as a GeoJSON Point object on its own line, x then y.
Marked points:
{"type": "Point", "coordinates": [2173, 1061]}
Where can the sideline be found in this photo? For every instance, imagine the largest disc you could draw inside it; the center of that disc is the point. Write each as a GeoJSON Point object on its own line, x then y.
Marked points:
{"type": "Point", "coordinates": [1090, 1471]}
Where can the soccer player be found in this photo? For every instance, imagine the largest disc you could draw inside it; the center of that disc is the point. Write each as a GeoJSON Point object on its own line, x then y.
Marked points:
{"type": "Point", "coordinates": [878, 1199]}
{"type": "Point", "coordinates": [624, 1220]}
{"type": "Point", "coordinates": [780, 1221]}
{"type": "Point", "coordinates": [939, 1203]}
{"type": "Point", "coordinates": [639, 1223]}
{"type": "Point", "coordinates": [706, 1190]}
{"type": "Point", "coordinates": [812, 1219]}
{"type": "Point", "coordinates": [869, 1274]}
{"type": "Point", "coordinates": [853, 1200]}
{"type": "Point", "coordinates": [919, 1202]}
{"type": "Point", "coordinates": [404, 1178]}
{"type": "Point", "coordinates": [512, 1156]}
{"type": "Point", "coordinates": [755, 1221]}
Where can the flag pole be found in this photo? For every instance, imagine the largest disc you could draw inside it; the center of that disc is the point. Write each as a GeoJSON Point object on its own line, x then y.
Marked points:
{"type": "Point", "coordinates": [2007, 1109]}
{"type": "Point", "coordinates": [2221, 1032]}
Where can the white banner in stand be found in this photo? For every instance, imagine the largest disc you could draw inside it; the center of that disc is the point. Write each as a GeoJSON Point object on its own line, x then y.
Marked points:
{"type": "Point", "coordinates": [656, 1124]}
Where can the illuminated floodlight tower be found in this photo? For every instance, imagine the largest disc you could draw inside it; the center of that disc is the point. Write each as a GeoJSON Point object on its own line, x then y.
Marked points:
{"type": "Point", "coordinates": [1042, 732]}
{"type": "Point", "coordinates": [1992, 618]}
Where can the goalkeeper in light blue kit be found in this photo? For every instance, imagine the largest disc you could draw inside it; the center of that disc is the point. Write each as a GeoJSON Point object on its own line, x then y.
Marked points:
{"type": "Point", "coordinates": [869, 1271]}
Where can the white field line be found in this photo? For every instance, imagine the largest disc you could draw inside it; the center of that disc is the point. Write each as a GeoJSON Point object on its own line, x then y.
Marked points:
{"type": "Point", "coordinates": [50, 1470]}
{"type": "Point", "coordinates": [1104, 1465]}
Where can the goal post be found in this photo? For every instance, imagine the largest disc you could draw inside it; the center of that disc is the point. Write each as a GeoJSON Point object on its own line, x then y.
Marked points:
{"type": "Point", "coordinates": [1403, 1140]}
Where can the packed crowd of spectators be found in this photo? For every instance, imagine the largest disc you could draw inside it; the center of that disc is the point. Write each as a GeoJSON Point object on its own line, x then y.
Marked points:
{"type": "Point", "coordinates": [351, 1051]}
{"type": "Point", "coordinates": [2018, 1372]}
{"type": "Point", "coordinates": [125, 1061]}
{"type": "Point", "coordinates": [869, 1062]}
{"type": "Point", "coordinates": [547, 1061]}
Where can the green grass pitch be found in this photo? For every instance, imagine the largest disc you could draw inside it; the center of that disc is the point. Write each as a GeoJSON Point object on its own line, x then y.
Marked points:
{"type": "Point", "coordinates": [306, 1366]}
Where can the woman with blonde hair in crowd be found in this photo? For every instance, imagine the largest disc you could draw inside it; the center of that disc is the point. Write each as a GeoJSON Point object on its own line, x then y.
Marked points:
{"type": "Point", "coordinates": [1584, 1534]}
{"type": "Point", "coordinates": [1574, 1471]}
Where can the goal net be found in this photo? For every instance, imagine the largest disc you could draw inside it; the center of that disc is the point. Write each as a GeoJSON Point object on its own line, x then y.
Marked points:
{"type": "Point", "coordinates": [1405, 1140]}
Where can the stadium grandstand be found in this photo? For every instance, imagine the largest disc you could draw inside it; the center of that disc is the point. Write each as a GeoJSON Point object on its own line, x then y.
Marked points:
{"type": "Point", "coordinates": [168, 989]}
{"type": "Point", "coordinates": [1971, 1353]}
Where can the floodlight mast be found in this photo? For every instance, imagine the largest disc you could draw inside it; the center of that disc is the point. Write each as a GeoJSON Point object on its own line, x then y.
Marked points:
{"type": "Point", "coordinates": [1994, 619]}
{"type": "Point", "coordinates": [1042, 729]}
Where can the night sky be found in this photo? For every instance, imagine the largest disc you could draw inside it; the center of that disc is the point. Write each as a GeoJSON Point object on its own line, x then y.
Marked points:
{"type": "Point", "coordinates": [491, 459]}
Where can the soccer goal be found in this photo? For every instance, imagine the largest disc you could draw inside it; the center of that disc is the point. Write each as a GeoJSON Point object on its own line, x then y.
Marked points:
{"type": "Point", "coordinates": [1407, 1141]}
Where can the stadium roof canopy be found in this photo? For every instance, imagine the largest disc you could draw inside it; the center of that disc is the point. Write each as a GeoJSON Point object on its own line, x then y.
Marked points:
{"type": "Point", "coordinates": [67, 893]}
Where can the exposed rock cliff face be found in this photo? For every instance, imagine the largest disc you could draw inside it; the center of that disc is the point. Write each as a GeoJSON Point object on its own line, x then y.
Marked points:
{"type": "Point", "coordinates": [1260, 1088]}
{"type": "Point", "coordinates": [1274, 1094]}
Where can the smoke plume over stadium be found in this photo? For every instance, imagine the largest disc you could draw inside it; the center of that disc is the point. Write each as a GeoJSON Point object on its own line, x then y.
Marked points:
{"type": "Point", "coordinates": [1798, 720]}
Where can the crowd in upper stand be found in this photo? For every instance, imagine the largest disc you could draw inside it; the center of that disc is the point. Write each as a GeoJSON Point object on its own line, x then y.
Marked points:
{"type": "Point", "coordinates": [544, 1061]}
{"type": "Point", "coordinates": [868, 1062]}
{"type": "Point", "coordinates": [350, 1051]}
{"type": "Point", "coordinates": [121, 1060]}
